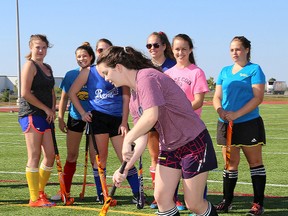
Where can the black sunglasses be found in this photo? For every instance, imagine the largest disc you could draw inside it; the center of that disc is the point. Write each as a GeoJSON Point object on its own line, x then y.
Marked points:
{"type": "Point", "coordinates": [155, 45]}
{"type": "Point", "coordinates": [100, 50]}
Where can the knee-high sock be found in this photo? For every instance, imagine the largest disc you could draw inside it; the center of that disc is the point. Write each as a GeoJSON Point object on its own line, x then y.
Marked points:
{"type": "Point", "coordinates": [229, 182]}
{"type": "Point", "coordinates": [98, 181]}
{"type": "Point", "coordinates": [133, 181]}
{"type": "Point", "coordinates": [172, 212]}
{"type": "Point", "coordinates": [69, 170]}
{"type": "Point", "coordinates": [211, 211]}
{"type": "Point", "coordinates": [32, 176]}
{"type": "Point", "coordinates": [152, 173]}
{"type": "Point", "coordinates": [44, 175]}
{"type": "Point", "coordinates": [258, 175]}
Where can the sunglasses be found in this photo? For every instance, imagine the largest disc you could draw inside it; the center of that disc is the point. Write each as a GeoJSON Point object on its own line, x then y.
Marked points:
{"type": "Point", "coordinates": [100, 50]}
{"type": "Point", "coordinates": [155, 45]}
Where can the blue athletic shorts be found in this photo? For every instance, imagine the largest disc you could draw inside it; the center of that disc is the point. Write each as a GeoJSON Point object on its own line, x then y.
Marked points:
{"type": "Point", "coordinates": [38, 123]}
{"type": "Point", "coordinates": [195, 157]}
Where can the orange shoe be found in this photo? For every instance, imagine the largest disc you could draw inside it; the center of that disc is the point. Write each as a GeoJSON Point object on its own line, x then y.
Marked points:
{"type": "Point", "coordinates": [43, 196]}
{"type": "Point", "coordinates": [41, 203]}
{"type": "Point", "coordinates": [69, 200]}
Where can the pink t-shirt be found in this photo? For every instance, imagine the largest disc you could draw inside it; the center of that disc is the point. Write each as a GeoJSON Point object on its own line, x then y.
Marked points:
{"type": "Point", "coordinates": [191, 80]}
{"type": "Point", "coordinates": [177, 123]}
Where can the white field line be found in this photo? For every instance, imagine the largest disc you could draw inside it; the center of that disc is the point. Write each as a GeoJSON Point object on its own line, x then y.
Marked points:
{"type": "Point", "coordinates": [145, 178]}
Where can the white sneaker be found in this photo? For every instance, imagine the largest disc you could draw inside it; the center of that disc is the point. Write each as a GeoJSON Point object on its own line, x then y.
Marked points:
{"type": "Point", "coordinates": [56, 197]}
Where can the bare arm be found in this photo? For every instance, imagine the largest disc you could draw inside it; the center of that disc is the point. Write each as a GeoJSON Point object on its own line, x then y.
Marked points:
{"type": "Point", "coordinates": [258, 91]}
{"type": "Point", "coordinates": [27, 76]}
{"type": "Point", "coordinates": [123, 128]}
{"type": "Point", "coordinates": [75, 88]}
{"type": "Point", "coordinates": [62, 108]}
{"type": "Point", "coordinates": [217, 99]}
{"type": "Point", "coordinates": [198, 101]}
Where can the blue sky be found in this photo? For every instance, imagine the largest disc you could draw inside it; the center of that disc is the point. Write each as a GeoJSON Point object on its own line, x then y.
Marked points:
{"type": "Point", "coordinates": [210, 23]}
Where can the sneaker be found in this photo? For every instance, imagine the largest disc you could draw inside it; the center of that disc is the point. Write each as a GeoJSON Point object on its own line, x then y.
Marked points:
{"type": "Point", "coordinates": [154, 205]}
{"type": "Point", "coordinates": [100, 199]}
{"type": "Point", "coordinates": [134, 199]}
{"type": "Point", "coordinates": [41, 203]}
{"type": "Point", "coordinates": [256, 210]}
{"type": "Point", "coordinates": [43, 195]}
{"type": "Point", "coordinates": [223, 207]}
{"type": "Point", "coordinates": [57, 196]}
{"type": "Point", "coordinates": [140, 200]}
{"type": "Point", "coordinates": [180, 205]}
{"type": "Point", "coordinates": [69, 200]}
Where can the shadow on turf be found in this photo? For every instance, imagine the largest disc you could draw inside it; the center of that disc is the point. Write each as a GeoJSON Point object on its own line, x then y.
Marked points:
{"type": "Point", "coordinates": [242, 204]}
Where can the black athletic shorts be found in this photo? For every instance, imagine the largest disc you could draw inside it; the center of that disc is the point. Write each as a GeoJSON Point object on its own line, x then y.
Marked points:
{"type": "Point", "coordinates": [75, 125]}
{"type": "Point", "coordinates": [247, 133]}
{"type": "Point", "coordinates": [103, 123]}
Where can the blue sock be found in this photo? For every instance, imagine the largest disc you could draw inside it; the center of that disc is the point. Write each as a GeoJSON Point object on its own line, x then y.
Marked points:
{"type": "Point", "coordinates": [132, 178]}
{"type": "Point", "coordinates": [98, 181]}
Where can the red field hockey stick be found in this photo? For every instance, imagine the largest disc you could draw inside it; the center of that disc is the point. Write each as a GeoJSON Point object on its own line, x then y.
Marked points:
{"type": "Point", "coordinates": [81, 195]}
{"type": "Point", "coordinates": [107, 202]}
{"type": "Point", "coordinates": [228, 144]}
{"type": "Point", "coordinates": [65, 198]}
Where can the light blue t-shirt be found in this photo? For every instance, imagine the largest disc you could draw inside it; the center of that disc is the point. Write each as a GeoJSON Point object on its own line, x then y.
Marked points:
{"type": "Point", "coordinates": [82, 95]}
{"type": "Point", "coordinates": [237, 89]}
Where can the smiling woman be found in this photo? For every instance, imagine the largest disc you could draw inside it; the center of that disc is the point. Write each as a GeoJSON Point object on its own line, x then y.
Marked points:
{"type": "Point", "coordinates": [108, 115]}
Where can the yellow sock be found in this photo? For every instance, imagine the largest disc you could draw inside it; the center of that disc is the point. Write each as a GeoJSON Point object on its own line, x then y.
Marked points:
{"type": "Point", "coordinates": [44, 174]}
{"type": "Point", "coordinates": [32, 176]}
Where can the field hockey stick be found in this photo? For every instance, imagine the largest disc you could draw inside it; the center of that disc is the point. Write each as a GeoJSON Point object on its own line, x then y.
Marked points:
{"type": "Point", "coordinates": [59, 168]}
{"type": "Point", "coordinates": [81, 195]}
{"type": "Point", "coordinates": [107, 202]}
{"type": "Point", "coordinates": [98, 162]}
{"type": "Point", "coordinates": [141, 198]}
{"type": "Point", "coordinates": [228, 144]}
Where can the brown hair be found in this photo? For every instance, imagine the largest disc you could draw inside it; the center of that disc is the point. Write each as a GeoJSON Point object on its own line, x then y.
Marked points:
{"type": "Point", "coordinates": [190, 43]}
{"type": "Point", "coordinates": [126, 56]}
{"type": "Point", "coordinates": [86, 46]}
{"type": "Point", "coordinates": [164, 40]}
{"type": "Point", "coordinates": [245, 43]}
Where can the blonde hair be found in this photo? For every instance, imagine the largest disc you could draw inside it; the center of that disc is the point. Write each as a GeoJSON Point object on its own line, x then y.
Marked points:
{"type": "Point", "coordinates": [37, 37]}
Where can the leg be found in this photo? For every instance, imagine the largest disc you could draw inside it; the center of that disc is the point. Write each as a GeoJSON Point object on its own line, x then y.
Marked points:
{"type": "Point", "coordinates": [73, 140]}
{"type": "Point", "coordinates": [102, 145]}
{"type": "Point", "coordinates": [165, 178]}
{"type": "Point", "coordinates": [132, 177]}
{"type": "Point", "coordinates": [48, 159]}
{"type": "Point", "coordinates": [253, 155]}
{"type": "Point", "coordinates": [153, 148]}
{"type": "Point", "coordinates": [229, 179]}
{"type": "Point", "coordinates": [33, 143]}
{"type": "Point", "coordinates": [193, 192]}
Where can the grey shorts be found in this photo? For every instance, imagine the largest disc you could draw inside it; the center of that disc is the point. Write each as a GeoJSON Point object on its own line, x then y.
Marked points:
{"type": "Point", "coordinates": [247, 133]}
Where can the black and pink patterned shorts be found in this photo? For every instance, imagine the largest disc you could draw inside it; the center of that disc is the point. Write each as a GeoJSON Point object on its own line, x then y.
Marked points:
{"type": "Point", "coordinates": [193, 158]}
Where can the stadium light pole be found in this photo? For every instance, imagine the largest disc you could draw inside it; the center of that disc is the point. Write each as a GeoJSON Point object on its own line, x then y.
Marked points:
{"type": "Point", "coordinates": [18, 53]}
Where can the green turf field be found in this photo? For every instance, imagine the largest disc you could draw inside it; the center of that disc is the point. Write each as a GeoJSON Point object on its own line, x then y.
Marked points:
{"type": "Point", "coordinates": [14, 192]}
